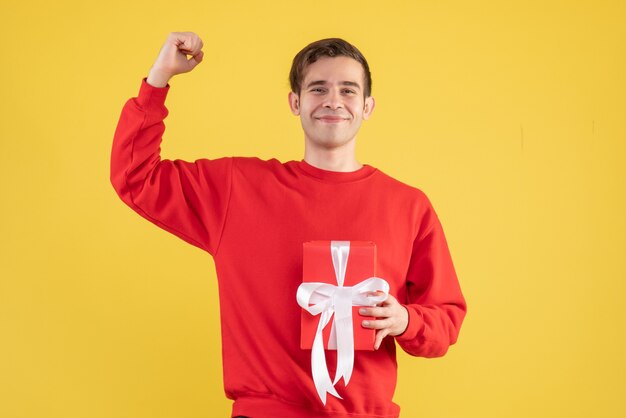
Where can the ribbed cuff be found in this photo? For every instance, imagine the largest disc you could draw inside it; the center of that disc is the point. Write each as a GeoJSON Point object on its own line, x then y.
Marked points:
{"type": "Point", "coordinates": [150, 96]}
{"type": "Point", "coordinates": [415, 326]}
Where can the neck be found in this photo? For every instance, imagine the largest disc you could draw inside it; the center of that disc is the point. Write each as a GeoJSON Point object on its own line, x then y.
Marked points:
{"type": "Point", "coordinates": [339, 158]}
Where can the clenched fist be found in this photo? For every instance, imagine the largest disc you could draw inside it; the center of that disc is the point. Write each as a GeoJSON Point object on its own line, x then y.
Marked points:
{"type": "Point", "coordinates": [173, 59]}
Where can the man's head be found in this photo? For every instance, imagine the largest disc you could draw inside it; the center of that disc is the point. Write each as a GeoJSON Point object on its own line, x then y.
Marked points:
{"type": "Point", "coordinates": [330, 47]}
{"type": "Point", "coordinates": [331, 92]}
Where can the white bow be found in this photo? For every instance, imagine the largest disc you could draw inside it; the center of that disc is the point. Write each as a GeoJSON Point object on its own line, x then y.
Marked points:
{"type": "Point", "coordinates": [328, 299]}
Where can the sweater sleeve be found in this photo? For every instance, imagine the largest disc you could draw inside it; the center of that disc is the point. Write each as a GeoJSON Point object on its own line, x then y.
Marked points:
{"type": "Point", "coordinates": [435, 302]}
{"type": "Point", "coordinates": [187, 199]}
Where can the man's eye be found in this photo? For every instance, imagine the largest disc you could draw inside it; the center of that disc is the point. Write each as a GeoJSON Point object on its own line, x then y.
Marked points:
{"type": "Point", "coordinates": [318, 89]}
{"type": "Point", "coordinates": [349, 91]}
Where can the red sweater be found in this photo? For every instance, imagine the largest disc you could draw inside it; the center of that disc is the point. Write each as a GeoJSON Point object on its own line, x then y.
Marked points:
{"type": "Point", "coordinates": [252, 216]}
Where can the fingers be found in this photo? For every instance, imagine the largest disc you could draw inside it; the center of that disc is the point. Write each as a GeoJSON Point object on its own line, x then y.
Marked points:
{"type": "Point", "coordinates": [383, 327]}
{"type": "Point", "coordinates": [377, 323]}
{"type": "Point", "coordinates": [195, 60]}
{"type": "Point", "coordinates": [191, 44]}
{"type": "Point", "coordinates": [375, 293]}
{"type": "Point", "coordinates": [172, 59]}
{"type": "Point", "coordinates": [377, 312]}
{"type": "Point", "coordinates": [391, 319]}
{"type": "Point", "coordinates": [380, 336]}
{"type": "Point", "coordinates": [187, 42]}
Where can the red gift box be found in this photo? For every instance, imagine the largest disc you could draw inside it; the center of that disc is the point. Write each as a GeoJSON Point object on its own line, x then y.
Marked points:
{"type": "Point", "coordinates": [317, 266]}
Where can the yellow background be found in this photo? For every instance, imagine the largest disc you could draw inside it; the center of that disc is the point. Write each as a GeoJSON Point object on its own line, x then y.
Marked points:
{"type": "Point", "coordinates": [509, 115]}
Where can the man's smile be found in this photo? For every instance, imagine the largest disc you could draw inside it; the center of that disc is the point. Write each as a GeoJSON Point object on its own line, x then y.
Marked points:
{"type": "Point", "coordinates": [331, 119]}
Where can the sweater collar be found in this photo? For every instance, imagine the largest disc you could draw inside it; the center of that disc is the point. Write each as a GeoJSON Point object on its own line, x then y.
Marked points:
{"type": "Point", "coordinates": [335, 176]}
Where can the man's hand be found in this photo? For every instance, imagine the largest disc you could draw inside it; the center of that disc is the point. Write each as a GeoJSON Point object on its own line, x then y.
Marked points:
{"type": "Point", "coordinates": [172, 59]}
{"type": "Point", "coordinates": [392, 319]}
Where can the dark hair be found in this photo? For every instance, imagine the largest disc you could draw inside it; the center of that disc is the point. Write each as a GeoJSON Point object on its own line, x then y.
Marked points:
{"type": "Point", "coordinates": [330, 47]}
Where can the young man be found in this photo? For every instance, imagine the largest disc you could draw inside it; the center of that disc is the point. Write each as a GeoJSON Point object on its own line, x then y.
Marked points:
{"type": "Point", "coordinates": [253, 216]}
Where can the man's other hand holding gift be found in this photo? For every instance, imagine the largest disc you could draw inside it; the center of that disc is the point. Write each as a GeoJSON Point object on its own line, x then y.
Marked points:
{"type": "Point", "coordinates": [393, 318]}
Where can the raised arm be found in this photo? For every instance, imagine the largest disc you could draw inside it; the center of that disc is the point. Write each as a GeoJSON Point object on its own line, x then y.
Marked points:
{"type": "Point", "coordinates": [188, 199]}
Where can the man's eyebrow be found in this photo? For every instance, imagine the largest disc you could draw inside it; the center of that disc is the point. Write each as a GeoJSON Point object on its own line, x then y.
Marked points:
{"type": "Point", "coordinates": [343, 83]}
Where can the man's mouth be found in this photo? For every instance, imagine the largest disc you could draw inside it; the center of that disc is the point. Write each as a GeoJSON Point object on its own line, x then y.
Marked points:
{"type": "Point", "coordinates": [331, 119]}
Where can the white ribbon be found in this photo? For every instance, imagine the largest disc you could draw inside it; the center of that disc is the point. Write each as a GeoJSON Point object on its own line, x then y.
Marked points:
{"type": "Point", "coordinates": [328, 299]}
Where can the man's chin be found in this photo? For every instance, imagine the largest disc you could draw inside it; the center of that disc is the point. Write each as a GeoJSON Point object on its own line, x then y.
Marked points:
{"type": "Point", "coordinates": [329, 142]}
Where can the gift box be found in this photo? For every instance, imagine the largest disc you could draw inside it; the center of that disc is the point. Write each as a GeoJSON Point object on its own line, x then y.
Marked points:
{"type": "Point", "coordinates": [318, 266]}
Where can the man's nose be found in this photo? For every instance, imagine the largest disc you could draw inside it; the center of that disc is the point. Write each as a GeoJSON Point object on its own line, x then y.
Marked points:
{"type": "Point", "coordinates": [333, 99]}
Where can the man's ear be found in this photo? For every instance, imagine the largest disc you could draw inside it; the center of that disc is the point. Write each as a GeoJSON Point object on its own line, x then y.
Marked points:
{"type": "Point", "coordinates": [368, 107]}
{"type": "Point", "coordinates": [294, 103]}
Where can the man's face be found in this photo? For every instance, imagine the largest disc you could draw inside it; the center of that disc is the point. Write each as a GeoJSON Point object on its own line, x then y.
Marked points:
{"type": "Point", "coordinates": [331, 105]}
